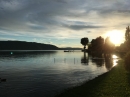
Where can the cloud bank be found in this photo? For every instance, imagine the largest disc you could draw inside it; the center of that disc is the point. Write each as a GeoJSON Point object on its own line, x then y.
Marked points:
{"type": "Point", "coordinates": [65, 20]}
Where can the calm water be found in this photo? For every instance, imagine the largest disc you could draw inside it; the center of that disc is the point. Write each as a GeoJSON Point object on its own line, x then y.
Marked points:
{"type": "Point", "coordinates": [48, 73]}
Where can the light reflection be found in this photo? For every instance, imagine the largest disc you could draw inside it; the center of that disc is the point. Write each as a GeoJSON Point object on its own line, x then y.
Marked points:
{"type": "Point", "coordinates": [108, 62]}
{"type": "Point", "coordinates": [111, 61]}
{"type": "Point", "coordinates": [114, 60]}
{"type": "Point", "coordinates": [116, 40]}
{"type": "Point", "coordinates": [114, 56]}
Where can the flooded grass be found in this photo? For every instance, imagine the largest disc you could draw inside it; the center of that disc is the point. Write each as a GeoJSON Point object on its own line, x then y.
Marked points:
{"type": "Point", "coordinates": [115, 83]}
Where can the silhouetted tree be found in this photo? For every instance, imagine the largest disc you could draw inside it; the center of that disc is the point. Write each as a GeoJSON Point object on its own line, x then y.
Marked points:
{"type": "Point", "coordinates": [127, 43]}
{"type": "Point", "coordinates": [84, 42]}
{"type": "Point", "coordinates": [127, 61]}
{"type": "Point", "coordinates": [96, 45]}
{"type": "Point", "coordinates": [127, 33]}
{"type": "Point", "coordinates": [123, 47]}
{"type": "Point", "coordinates": [108, 46]}
{"type": "Point", "coordinates": [127, 37]}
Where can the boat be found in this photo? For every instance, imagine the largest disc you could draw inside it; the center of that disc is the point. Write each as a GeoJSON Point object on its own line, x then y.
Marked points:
{"type": "Point", "coordinates": [67, 51]}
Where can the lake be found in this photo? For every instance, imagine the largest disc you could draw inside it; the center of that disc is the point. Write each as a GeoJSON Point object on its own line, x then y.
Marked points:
{"type": "Point", "coordinates": [46, 73]}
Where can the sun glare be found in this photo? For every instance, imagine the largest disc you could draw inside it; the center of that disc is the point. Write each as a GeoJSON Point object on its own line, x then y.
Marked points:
{"type": "Point", "coordinates": [115, 59]}
{"type": "Point", "coordinates": [116, 36]}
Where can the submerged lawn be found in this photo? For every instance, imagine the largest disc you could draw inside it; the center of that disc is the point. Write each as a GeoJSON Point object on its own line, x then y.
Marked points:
{"type": "Point", "coordinates": [115, 83]}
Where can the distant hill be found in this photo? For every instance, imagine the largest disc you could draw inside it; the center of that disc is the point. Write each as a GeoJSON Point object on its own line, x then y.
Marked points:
{"type": "Point", "coordinates": [22, 45]}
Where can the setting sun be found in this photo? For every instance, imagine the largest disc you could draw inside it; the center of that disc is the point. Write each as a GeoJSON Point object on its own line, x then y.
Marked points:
{"type": "Point", "coordinates": [116, 36]}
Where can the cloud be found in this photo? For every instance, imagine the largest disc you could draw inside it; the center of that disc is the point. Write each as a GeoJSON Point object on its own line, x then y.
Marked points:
{"type": "Point", "coordinates": [61, 1]}
{"type": "Point", "coordinates": [4, 39]}
{"type": "Point", "coordinates": [35, 26]}
{"type": "Point", "coordinates": [62, 19]}
{"type": "Point", "coordinates": [81, 27]}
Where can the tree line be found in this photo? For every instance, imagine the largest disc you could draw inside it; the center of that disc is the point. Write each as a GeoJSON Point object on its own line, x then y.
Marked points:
{"type": "Point", "coordinates": [126, 48]}
{"type": "Point", "coordinates": [98, 45]}
{"type": "Point", "coordinates": [101, 46]}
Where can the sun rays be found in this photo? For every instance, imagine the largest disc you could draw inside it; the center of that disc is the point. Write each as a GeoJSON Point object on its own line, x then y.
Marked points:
{"type": "Point", "coordinates": [116, 36]}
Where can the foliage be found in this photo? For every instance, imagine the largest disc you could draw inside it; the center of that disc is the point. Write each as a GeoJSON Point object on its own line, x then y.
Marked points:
{"type": "Point", "coordinates": [96, 47]}
{"type": "Point", "coordinates": [97, 44]}
{"type": "Point", "coordinates": [127, 37]}
{"type": "Point", "coordinates": [84, 41]}
{"type": "Point", "coordinates": [127, 61]}
{"type": "Point", "coordinates": [108, 46]}
{"type": "Point", "coordinates": [127, 49]}
{"type": "Point", "coordinates": [123, 47]}
{"type": "Point", "coordinates": [100, 46]}
{"type": "Point", "coordinates": [127, 34]}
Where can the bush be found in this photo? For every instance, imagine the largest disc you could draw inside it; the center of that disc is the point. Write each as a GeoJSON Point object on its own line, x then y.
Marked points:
{"type": "Point", "coordinates": [127, 61]}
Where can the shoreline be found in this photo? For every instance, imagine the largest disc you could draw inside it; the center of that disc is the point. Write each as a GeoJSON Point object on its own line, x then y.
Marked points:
{"type": "Point", "coordinates": [115, 83]}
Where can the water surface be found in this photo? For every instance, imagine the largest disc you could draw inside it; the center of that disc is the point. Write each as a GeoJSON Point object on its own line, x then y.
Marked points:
{"type": "Point", "coordinates": [44, 74]}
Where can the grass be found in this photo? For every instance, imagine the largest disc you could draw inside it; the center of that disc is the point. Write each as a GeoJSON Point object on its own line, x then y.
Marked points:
{"type": "Point", "coordinates": [115, 83]}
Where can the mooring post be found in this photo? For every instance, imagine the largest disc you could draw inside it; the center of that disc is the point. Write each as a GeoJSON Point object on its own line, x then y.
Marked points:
{"type": "Point", "coordinates": [64, 60]}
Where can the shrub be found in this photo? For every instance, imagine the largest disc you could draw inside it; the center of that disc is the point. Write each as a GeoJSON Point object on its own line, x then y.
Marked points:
{"type": "Point", "coordinates": [127, 61]}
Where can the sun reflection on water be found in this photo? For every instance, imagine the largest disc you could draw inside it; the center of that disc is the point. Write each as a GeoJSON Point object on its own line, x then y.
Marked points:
{"type": "Point", "coordinates": [115, 59]}
{"type": "Point", "coordinates": [114, 56]}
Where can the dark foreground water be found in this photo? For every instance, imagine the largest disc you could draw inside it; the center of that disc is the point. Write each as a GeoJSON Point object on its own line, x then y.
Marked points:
{"type": "Point", "coordinates": [48, 73]}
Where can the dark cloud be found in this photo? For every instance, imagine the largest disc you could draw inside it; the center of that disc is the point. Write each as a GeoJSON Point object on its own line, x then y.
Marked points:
{"type": "Point", "coordinates": [16, 14]}
{"type": "Point", "coordinates": [44, 17]}
{"type": "Point", "coordinates": [37, 27]}
{"type": "Point", "coordinates": [81, 27]}
{"type": "Point", "coordinates": [19, 13]}
{"type": "Point", "coordinates": [61, 1]}
{"type": "Point", "coordinates": [114, 13]}
{"type": "Point", "coordinates": [118, 8]}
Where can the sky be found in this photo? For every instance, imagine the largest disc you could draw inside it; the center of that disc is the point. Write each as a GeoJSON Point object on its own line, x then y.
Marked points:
{"type": "Point", "coordinates": [63, 22]}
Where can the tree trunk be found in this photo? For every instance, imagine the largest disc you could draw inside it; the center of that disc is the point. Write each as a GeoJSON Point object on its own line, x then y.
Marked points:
{"type": "Point", "coordinates": [84, 49]}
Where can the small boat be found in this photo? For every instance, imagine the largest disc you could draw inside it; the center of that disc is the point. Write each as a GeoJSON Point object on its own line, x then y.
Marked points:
{"type": "Point", "coordinates": [2, 80]}
{"type": "Point", "coordinates": [67, 51]}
